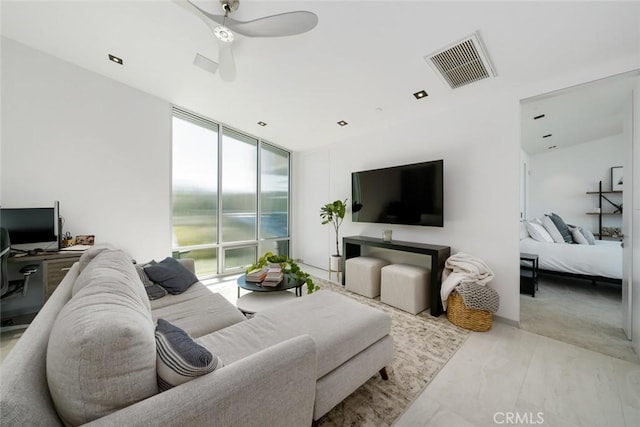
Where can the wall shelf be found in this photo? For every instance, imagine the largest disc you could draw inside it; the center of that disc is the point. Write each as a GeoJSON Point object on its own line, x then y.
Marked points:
{"type": "Point", "coordinates": [601, 197]}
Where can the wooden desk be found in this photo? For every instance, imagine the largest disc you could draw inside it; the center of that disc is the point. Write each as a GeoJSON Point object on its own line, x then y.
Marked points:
{"type": "Point", "coordinates": [352, 248]}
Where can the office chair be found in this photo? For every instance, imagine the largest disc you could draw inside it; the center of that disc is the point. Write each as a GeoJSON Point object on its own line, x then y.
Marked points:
{"type": "Point", "coordinates": [12, 288]}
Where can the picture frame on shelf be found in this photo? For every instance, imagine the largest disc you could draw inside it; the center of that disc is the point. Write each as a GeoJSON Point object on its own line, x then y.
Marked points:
{"type": "Point", "coordinates": [616, 178]}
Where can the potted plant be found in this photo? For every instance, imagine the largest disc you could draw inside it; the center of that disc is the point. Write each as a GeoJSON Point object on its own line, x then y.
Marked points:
{"type": "Point", "coordinates": [333, 213]}
{"type": "Point", "coordinates": [288, 267]}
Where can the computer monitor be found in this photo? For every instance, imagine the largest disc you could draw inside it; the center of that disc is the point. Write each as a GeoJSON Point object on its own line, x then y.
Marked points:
{"type": "Point", "coordinates": [31, 228]}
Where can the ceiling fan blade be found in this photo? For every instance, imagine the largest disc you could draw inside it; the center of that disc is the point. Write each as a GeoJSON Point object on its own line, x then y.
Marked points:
{"type": "Point", "coordinates": [205, 16]}
{"type": "Point", "coordinates": [227, 68]}
{"type": "Point", "coordinates": [280, 25]}
{"type": "Point", "coordinates": [205, 63]}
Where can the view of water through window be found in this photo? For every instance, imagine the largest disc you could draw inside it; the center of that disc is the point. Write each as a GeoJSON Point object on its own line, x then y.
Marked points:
{"type": "Point", "coordinates": [217, 173]}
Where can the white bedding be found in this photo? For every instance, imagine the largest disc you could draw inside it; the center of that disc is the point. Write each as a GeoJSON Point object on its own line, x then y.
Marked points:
{"type": "Point", "coordinates": [602, 259]}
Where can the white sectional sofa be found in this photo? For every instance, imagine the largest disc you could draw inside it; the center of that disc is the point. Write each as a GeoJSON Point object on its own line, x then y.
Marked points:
{"type": "Point", "coordinates": [90, 355]}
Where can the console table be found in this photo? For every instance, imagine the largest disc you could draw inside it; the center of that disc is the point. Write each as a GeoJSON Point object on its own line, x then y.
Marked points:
{"type": "Point", "coordinates": [352, 247]}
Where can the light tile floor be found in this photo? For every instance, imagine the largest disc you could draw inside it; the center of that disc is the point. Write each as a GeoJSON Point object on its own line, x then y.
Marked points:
{"type": "Point", "coordinates": [508, 376]}
{"type": "Point", "coordinates": [508, 372]}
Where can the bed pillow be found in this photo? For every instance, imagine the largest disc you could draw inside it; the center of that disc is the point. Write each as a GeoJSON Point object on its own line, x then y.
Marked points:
{"type": "Point", "coordinates": [552, 230]}
{"type": "Point", "coordinates": [562, 227]}
{"type": "Point", "coordinates": [578, 237]}
{"type": "Point", "coordinates": [523, 230]}
{"type": "Point", "coordinates": [539, 233]}
{"type": "Point", "coordinates": [588, 235]}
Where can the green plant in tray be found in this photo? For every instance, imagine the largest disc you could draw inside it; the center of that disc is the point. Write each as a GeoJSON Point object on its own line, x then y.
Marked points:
{"type": "Point", "coordinates": [288, 266]}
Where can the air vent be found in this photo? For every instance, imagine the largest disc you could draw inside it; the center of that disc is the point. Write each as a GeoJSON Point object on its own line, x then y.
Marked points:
{"type": "Point", "coordinates": [461, 63]}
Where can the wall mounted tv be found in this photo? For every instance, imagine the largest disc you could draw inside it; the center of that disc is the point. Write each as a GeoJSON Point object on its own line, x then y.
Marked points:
{"type": "Point", "coordinates": [409, 194]}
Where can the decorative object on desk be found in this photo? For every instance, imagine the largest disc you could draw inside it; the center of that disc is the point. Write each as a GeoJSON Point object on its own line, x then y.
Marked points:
{"type": "Point", "coordinates": [333, 213]}
{"type": "Point", "coordinates": [287, 266]}
{"type": "Point", "coordinates": [66, 240]}
{"type": "Point", "coordinates": [616, 178]}
{"type": "Point", "coordinates": [386, 235]}
{"type": "Point", "coordinates": [86, 239]}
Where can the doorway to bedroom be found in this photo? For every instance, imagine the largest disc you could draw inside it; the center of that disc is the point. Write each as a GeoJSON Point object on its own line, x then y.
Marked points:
{"type": "Point", "coordinates": [573, 142]}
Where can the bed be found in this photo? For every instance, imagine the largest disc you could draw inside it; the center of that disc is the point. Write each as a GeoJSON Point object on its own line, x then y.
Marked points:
{"type": "Point", "coordinates": [602, 261]}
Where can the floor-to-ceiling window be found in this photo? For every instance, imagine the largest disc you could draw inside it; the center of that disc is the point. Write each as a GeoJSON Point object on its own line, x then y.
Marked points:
{"type": "Point", "coordinates": [230, 196]}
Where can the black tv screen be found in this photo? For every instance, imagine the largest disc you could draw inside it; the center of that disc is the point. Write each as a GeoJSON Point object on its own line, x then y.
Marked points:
{"type": "Point", "coordinates": [409, 194]}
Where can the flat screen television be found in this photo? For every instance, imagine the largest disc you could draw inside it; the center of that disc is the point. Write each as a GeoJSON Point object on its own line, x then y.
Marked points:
{"type": "Point", "coordinates": [32, 226]}
{"type": "Point", "coordinates": [408, 194]}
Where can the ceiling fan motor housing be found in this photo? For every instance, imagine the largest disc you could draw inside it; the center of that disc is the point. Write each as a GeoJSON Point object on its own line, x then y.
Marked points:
{"type": "Point", "coordinates": [230, 5]}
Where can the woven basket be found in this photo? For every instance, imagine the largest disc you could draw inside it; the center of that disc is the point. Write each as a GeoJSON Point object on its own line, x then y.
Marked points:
{"type": "Point", "coordinates": [468, 318]}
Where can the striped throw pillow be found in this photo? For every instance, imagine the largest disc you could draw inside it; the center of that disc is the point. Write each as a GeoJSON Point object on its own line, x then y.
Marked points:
{"type": "Point", "coordinates": [179, 358]}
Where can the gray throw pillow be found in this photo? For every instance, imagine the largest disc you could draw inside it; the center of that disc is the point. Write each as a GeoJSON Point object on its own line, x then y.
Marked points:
{"type": "Point", "coordinates": [171, 275]}
{"type": "Point", "coordinates": [154, 291]}
{"type": "Point", "coordinates": [562, 227]}
{"type": "Point", "coordinates": [588, 235]}
{"type": "Point", "coordinates": [179, 358]}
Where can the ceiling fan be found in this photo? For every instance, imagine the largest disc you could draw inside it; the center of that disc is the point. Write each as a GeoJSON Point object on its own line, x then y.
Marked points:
{"type": "Point", "coordinates": [225, 30]}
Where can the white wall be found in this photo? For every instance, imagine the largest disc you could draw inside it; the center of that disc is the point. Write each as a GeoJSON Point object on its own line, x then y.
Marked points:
{"type": "Point", "coordinates": [634, 240]}
{"type": "Point", "coordinates": [99, 147]}
{"type": "Point", "coordinates": [481, 187]}
{"type": "Point", "coordinates": [524, 184]}
{"type": "Point", "coordinates": [479, 141]}
{"type": "Point", "coordinates": [559, 180]}
{"type": "Point", "coordinates": [311, 187]}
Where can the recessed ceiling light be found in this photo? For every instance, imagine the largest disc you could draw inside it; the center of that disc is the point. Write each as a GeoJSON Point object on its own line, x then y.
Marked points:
{"type": "Point", "coordinates": [546, 136]}
{"type": "Point", "coordinates": [421, 94]}
{"type": "Point", "coordinates": [552, 147]}
{"type": "Point", "coordinates": [538, 117]}
{"type": "Point", "coordinates": [115, 59]}
{"type": "Point", "coordinates": [342, 123]}
{"type": "Point", "coordinates": [262, 124]}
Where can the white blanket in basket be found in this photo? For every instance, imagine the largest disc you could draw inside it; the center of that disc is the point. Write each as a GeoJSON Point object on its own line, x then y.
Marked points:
{"type": "Point", "coordinates": [463, 268]}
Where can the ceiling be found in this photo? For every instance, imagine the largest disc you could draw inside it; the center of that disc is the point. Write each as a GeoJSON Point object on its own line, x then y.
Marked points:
{"type": "Point", "coordinates": [361, 64]}
{"type": "Point", "coordinates": [576, 115]}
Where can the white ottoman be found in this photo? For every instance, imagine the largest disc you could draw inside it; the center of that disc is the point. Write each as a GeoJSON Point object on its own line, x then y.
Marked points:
{"type": "Point", "coordinates": [362, 275]}
{"type": "Point", "coordinates": [405, 287]}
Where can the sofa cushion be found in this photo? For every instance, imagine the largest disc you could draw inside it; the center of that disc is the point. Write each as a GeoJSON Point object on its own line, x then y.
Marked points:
{"type": "Point", "coordinates": [208, 313]}
{"type": "Point", "coordinates": [180, 359]}
{"type": "Point", "coordinates": [335, 343]}
{"type": "Point", "coordinates": [112, 265]}
{"type": "Point", "coordinates": [92, 252]}
{"type": "Point", "coordinates": [154, 291]}
{"type": "Point", "coordinates": [101, 353]}
{"type": "Point", "coordinates": [171, 275]}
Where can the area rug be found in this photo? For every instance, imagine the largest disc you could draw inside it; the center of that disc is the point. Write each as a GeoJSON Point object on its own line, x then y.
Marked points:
{"type": "Point", "coordinates": [422, 346]}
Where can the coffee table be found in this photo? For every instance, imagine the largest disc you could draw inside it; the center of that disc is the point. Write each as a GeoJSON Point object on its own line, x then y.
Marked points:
{"type": "Point", "coordinates": [262, 297]}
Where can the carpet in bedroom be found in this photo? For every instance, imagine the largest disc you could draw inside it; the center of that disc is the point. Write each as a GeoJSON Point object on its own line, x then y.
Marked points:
{"type": "Point", "coordinates": [422, 346]}
{"type": "Point", "coordinates": [576, 312]}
